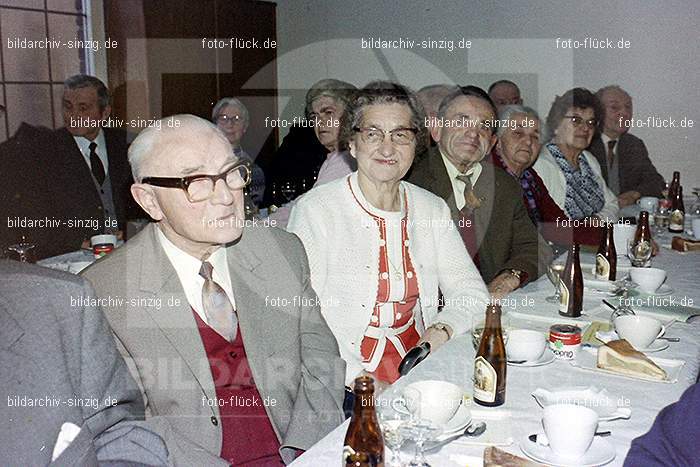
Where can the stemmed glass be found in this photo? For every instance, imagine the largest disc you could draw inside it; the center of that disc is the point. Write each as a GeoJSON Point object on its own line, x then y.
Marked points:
{"type": "Point", "coordinates": [419, 429]}
{"type": "Point", "coordinates": [554, 273]}
{"type": "Point", "coordinates": [391, 422]}
{"type": "Point", "coordinates": [639, 252]}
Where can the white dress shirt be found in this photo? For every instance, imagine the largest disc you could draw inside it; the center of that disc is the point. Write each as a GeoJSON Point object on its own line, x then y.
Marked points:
{"type": "Point", "coordinates": [458, 186]}
{"type": "Point", "coordinates": [101, 149]}
{"type": "Point", "coordinates": [187, 268]}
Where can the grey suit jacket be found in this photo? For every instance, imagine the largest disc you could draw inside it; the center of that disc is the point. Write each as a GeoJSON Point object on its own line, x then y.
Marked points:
{"type": "Point", "coordinates": [637, 172]}
{"type": "Point", "coordinates": [505, 235]}
{"type": "Point", "coordinates": [57, 351]}
{"type": "Point", "coordinates": [291, 351]}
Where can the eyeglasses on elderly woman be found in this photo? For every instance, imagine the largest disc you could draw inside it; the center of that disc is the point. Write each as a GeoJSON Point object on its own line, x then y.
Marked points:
{"type": "Point", "coordinates": [400, 136]}
{"type": "Point", "coordinates": [578, 121]}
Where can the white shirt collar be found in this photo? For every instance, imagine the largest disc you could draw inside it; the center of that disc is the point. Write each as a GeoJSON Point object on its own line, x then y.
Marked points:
{"type": "Point", "coordinates": [457, 185]}
{"type": "Point", "coordinates": [187, 268]}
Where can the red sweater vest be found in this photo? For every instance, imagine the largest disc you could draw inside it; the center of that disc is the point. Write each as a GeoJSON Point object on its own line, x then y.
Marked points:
{"type": "Point", "coordinates": [248, 436]}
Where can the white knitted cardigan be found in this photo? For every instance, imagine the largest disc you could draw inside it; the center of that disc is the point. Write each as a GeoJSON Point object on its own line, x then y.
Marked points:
{"type": "Point", "coordinates": [342, 244]}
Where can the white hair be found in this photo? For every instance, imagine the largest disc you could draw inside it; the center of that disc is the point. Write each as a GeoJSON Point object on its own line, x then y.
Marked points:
{"type": "Point", "coordinates": [508, 111]}
{"type": "Point", "coordinates": [175, 129]}
{"type": "Point", "coordinates": [233, 102]}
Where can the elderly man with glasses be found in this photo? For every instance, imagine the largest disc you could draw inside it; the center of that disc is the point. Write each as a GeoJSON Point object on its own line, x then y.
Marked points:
{"type": "Point", "coordinates": [217, 319]}
{"type": "Point", "coordinates": [486, 203]}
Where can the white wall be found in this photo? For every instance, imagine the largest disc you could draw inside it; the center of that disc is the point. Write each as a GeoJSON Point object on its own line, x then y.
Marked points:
{"type": "Point", "coordinates": [511, 39]}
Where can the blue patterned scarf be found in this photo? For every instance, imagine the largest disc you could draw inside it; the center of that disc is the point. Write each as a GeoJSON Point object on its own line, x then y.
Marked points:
{"type": "Point", "coordinates": [584, 197]}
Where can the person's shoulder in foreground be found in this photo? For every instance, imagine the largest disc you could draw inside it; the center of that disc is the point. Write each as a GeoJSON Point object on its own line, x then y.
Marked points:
{"type": "Point", "coordinates": [674, 436]}
{"type": "Point", "coordinates": [70, 399]}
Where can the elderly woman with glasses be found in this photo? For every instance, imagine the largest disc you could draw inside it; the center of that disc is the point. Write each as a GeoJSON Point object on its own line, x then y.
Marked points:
{"type": "Point", "coordinates": [515, 152]}
{"type": "Point", "coordinates": [572, 174]}
{"type": "Point", "coordinates": [381, 249]}
{"type": "Point", "coordinates": [232, 118]}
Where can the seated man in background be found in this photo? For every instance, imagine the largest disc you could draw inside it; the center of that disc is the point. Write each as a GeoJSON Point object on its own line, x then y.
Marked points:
{"type": "Point", "coordinates": [486, 203]}
{"type": "Point", "coordinates": [69, 395]}
{"type": "Point", "coordinates": [623, 158]}
{"type": "Point", "coordinates": [505, 92]}
{"type": "Point", "coordinates": [219, 323]}
{"type": "Point", "coordinates": [516, 150]}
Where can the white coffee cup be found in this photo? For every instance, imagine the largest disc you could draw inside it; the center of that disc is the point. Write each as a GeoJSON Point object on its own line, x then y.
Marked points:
{"type": "Point", "coordinates": [435, 401]}
{"type": "Point", "coordinates": [639, 331]}
{"type": "Point", "coordinates": [696, 228]}
{"type": "Point", "coordinates": [648, 204]}
{"type": "Point", "coordinates": [569, 429]}
{"type": "Point", "coordinates": [622, 233]}
{"type": "Point", "coordinates": [648, 279]}
{"type": "Point", "coordinates": [525, 345]}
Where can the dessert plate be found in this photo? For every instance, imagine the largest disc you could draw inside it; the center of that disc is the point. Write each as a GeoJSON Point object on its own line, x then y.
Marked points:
{"type": "Point", "coordinates": [459, 421]}
{"type": "Point", "coordinates": [656, 346]}
{"type": "Point", "coordinates": [600, 452]}
{"type": "Point", "coordinates": [662, 291]}
{"type": "Point", "coordinates": [587, 359]}
{"type": "Point", "coordinates": [545, 359]}
{"type": "Point", "coordinates": [599, 400]}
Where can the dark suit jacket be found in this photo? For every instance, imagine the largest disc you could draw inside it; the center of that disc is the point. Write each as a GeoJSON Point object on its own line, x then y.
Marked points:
{"type": "Point", "coordinates": [291, 351]}
{"type": "Point", "coordinates": [56, 348]}
{"type": "Point", "coordinates": [637, 173]}
{"type": "Point", "coordinates": [506, 237]}
{"type": "Point", "coordinates": [47, 178]}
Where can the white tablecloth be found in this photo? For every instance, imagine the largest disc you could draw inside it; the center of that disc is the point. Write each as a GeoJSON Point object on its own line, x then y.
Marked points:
{"type": "Point", "coordinates": [454, 362]}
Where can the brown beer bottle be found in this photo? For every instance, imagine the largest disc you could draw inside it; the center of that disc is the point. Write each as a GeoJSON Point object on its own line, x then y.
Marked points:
{"type": "Point", "coordinates": [490, 363]}
{"type": "Point", "coordinates": [364, 434]}
{"type": "Point", "coordinates": [673, 187]}
{"type": "Point", "coordinates": [571, 285]}
{"type": "Point", "coordinates": [606, 259]}
{"type": "Point", "coordinates": [676, 222]}
{"type": "Point", "coordinates": [359, 459]}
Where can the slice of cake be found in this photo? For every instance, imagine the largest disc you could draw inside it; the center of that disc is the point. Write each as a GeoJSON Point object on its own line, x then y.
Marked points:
{"type": "Point", "coordinates": [619, 356]}
{"type": "Point", "coordinates": [494, 457]}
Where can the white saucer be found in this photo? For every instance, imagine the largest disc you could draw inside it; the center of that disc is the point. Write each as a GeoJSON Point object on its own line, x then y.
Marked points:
{"type": "Point", "coordinates": [662, 291]}
{"type": "Point", "coordinates": [546, 358]}
{"type": "Point", "coordinates": [459, 420]}
{"type": "Point", "coordinates": [656, 346]}
{"type": "Point", "coordinates": [600, 452]}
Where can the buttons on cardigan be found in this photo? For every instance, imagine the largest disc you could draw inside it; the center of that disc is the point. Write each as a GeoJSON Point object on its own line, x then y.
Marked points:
{"type": "Point", "coordinates": [409, 274]}
{"type": "Point", "coordinates": [405, 242]}
{"type": "Point", "coordinates": [385, 275]}
{"type": "Point", "coordinates": [374, 319]}
{"type": "Point", "coordinates": [398, 315]}
{"type": "Point", "coordinates": [382, 242]}
{"type": "Point", "coordinates": [232, 354]}
{"type": "Point", "coordinates": [214, 421]}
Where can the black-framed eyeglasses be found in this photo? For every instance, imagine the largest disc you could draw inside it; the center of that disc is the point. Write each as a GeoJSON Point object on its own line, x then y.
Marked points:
{"type": "Point", "coordinates": [200, 187]}
{"type": "Point", "coordinates": [400, 136]}
{"type": "Point", "coordinates": [578, 121]}
{"type": "Point", "coordinates": [229, 119]}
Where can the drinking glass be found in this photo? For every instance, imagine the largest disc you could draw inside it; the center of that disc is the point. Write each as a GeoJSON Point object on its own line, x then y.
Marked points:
{"type": "Point", "coordinates": [554, 273]}
{"type": "Point", "coordinates": [391, 422]}
{"type": "Point", "coordinates": [695, 208]}
{"type": "Point", "coordinates": [24, 252]}
{"type": "Point", "coordinates": [639, 252]}
{"type": "Point", "coordinates": [418, 429]}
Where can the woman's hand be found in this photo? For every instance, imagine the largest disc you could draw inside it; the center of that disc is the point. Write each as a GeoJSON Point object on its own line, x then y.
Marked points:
{"type": "Point", "coordinates": [436, 336]}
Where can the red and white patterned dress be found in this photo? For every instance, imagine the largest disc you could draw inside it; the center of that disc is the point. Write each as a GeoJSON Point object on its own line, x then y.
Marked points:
{"type": "Point", "coordinates": [392, 330]}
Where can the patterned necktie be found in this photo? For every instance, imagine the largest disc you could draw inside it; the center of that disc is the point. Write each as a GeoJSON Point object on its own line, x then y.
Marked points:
{"type": "Point", "coordinates": [217, 307]}
{"type": "Point", "coordinates": [98, 170]}
{"type": "Point", "coordinates": [611, 149]}
{"type": "Point", "coordinates": [471, 202]}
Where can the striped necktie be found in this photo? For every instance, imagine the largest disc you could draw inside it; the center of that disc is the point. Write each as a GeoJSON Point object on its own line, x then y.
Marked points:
{"type": "Point", "coordinates": [220, 314]}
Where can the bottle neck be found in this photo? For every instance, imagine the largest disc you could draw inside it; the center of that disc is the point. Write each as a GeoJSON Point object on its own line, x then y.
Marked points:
{"type": "Point", "coordinates": [493, 318]}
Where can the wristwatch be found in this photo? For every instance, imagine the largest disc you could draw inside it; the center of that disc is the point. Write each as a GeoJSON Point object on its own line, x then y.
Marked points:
{"type": "Point", "coordinates": [441, 327]}
{"type": "Point", "coordinates": [514, 272]}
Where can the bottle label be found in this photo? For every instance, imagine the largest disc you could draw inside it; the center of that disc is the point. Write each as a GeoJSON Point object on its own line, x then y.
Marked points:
{"type": "Point", "coordinates": [485, 380]}
{"type": "Point", "coordinates": [602, 267]}
{"type": "Point", "coordinates": [677, 220]}
{"type": "Point", "coordinates": [564, 296]}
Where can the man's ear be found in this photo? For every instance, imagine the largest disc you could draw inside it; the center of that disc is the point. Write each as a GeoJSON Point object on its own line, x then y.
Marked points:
{"type": "Point", "coordinates": [494, 140]}
{"type": "Point", "coordinates": [351, 148]}
{"type": "Point", "coordinates": [435, 132]}
{"type": "Point", "coordinates": [146, 198]}
{"type": "Point", "coordinates": [499, 148]}
{"type": "Point", "coordinates": [106, 112]}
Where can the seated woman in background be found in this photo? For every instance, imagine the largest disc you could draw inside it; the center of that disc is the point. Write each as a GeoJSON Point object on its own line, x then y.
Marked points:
{"type": "Point", "coordinates": [232, 118]}
{"type": "Point", "coordinates": [380, 249]}
{"type": "Point", "coordinates": [516, 150]}
{"type": "Point", "coordinates": [571, 174]}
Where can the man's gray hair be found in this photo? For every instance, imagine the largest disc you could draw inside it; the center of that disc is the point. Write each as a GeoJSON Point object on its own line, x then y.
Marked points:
{"type": "Point", "coordinates": [335, 89]}
{"type": "Point", "coordinates": [613, 87]}
{"type": "Point", "coordinates": [233, 102]}
{"type": "Point", "coordinates": [434, 94]}
{"type": "Point", "coordinates": [87, 81]}
{"type": "Point", "coordinates": [169, 130]}
{"type": "Point", "coordinates": [507, 113]}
